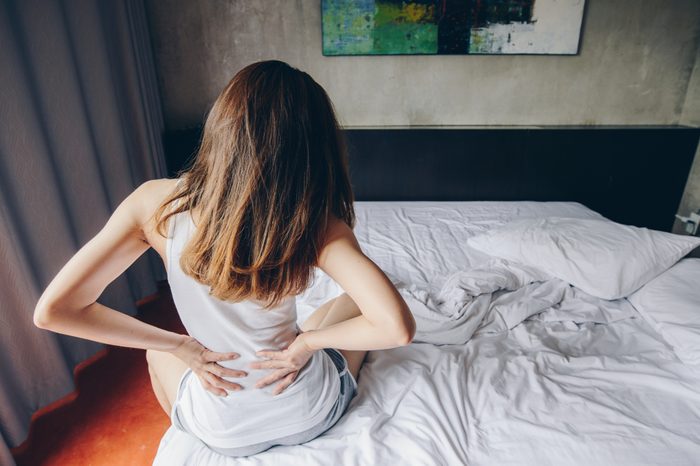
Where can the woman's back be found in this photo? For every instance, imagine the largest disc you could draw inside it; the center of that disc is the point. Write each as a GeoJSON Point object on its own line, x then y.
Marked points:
{"type": "Point", "coordinates": [250, 415]}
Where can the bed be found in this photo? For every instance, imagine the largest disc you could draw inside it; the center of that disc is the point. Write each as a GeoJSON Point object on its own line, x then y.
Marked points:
{"type": "Point", "coordinates": [585, 381]}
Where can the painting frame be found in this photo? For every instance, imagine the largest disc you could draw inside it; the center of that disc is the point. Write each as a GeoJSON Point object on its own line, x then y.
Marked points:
{"type": "Point", "coordinates": [579, 21]}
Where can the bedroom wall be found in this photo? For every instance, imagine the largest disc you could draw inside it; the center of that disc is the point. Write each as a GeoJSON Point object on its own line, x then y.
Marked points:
{"type": "Point", "coordinates": [691, 117]}
{"type": "Point", "coordinates": [635, 61]}
{"type": "Point", "coordinates": [635, 67]}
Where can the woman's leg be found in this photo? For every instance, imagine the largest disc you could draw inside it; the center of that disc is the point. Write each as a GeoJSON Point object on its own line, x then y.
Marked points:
{"type": "Point", "coordinates": [337, 310]}
{"type": "Point", "coordinates": [314, 320]}
{"type": "Point", "coordinates": [158, 390]}
{"type": "Point", "coordinates": [166, 371]}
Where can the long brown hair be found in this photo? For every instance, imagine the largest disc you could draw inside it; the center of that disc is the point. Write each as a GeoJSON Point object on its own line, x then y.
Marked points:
{"type": "Point", "coordinates": [270, 171]}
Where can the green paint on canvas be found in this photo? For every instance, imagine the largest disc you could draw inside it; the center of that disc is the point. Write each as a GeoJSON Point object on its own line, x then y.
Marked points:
{"type": "Point", "coordinates": [347, 27]}
{"type": "Point", "coordinates": [365, 27]}
{"type": "Point", "coordinates": [404, 29]}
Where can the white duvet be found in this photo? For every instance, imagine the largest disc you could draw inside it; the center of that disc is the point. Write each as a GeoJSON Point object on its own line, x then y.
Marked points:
{"type": "Point", "coordinates": [508, 366]}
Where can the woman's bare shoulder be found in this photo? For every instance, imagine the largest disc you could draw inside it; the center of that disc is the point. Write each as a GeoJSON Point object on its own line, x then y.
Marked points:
{"type": "Point", "coordinates": [337, 228]}
{"type": "Point", "coordinates": [150, 195]}
{"type": "Point", "coordinates": [338, 236]}
{"type": "Point", "coordinates": [160, 187]}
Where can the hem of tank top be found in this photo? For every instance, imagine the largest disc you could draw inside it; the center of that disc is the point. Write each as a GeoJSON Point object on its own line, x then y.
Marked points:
{"type": "Point", "coordinates": [253, 438]}
{"type": "Point", "coordinates": [288, 429]}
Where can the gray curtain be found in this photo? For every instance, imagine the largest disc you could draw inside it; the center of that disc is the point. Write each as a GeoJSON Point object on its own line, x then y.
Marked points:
{"type": "Point", "coordinates": [80, 129]}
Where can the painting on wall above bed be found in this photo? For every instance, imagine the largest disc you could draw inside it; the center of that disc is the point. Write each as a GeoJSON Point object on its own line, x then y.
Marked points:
{"type": "Point", "coordinates": [447, 27]}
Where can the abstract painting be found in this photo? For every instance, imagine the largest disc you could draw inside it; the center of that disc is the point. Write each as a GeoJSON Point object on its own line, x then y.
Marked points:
{"type": "Point", "coordinates": [399, 27]}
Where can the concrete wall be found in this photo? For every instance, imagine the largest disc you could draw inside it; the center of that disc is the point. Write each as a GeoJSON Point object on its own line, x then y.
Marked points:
{"type": "Point", "coordinates": [691, 117]}
{"type": "Point", "coordinates": [636, 57]}
{"type": "Point", "coordinates": [637, 65]}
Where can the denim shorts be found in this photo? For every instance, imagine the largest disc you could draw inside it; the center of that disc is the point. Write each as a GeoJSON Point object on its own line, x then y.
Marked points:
{"type": "Point", "coordinates": [348, 389]}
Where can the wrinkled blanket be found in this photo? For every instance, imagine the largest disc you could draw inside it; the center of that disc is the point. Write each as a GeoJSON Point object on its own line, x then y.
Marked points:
{"type": "Point", "coordinates": [496, 297]}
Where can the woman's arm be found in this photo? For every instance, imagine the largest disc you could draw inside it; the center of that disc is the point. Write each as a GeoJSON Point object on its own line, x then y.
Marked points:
{"type": "Point", "coordinates": [69, 303]}
{"type": "Point", "coordinates": [386, 320]}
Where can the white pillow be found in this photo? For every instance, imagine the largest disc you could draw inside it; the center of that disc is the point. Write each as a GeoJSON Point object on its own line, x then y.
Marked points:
{"type": "Point", "coordinates": [671, 304]}
{"type": "Point", "coordinates": [601, 257]}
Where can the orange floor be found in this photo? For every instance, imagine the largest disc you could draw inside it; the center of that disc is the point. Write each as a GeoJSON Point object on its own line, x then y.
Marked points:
{"type": "Point", "coordinates": [113, 418]}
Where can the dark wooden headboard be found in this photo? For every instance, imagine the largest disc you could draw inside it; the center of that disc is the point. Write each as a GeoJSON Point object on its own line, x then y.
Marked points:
{"type": "Point", "coordinates": [633, 175]}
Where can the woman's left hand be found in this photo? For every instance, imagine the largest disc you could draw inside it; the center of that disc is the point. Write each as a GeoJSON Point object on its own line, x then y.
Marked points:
{"type": "Point", "coordinates": [288, 363]}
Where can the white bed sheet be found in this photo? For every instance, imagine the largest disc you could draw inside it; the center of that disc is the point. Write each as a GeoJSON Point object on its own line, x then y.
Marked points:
{"type": "Point", "coordinates": [575, 384]}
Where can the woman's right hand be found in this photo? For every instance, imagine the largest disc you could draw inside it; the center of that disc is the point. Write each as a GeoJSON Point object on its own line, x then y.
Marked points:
{"type": "Point", "coordinates": [203, 363]}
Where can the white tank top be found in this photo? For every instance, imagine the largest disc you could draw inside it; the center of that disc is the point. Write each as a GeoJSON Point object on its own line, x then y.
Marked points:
{"type": "Point", "coordinates": [250, 415]}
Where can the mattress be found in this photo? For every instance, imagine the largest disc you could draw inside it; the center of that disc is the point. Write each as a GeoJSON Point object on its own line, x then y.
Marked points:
{"type": "Point", "coordinates": [590, 384]}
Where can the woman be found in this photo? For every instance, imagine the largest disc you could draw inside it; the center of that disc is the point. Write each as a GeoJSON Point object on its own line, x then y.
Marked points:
{"type": "Point", "coordinates": [266, 200]}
